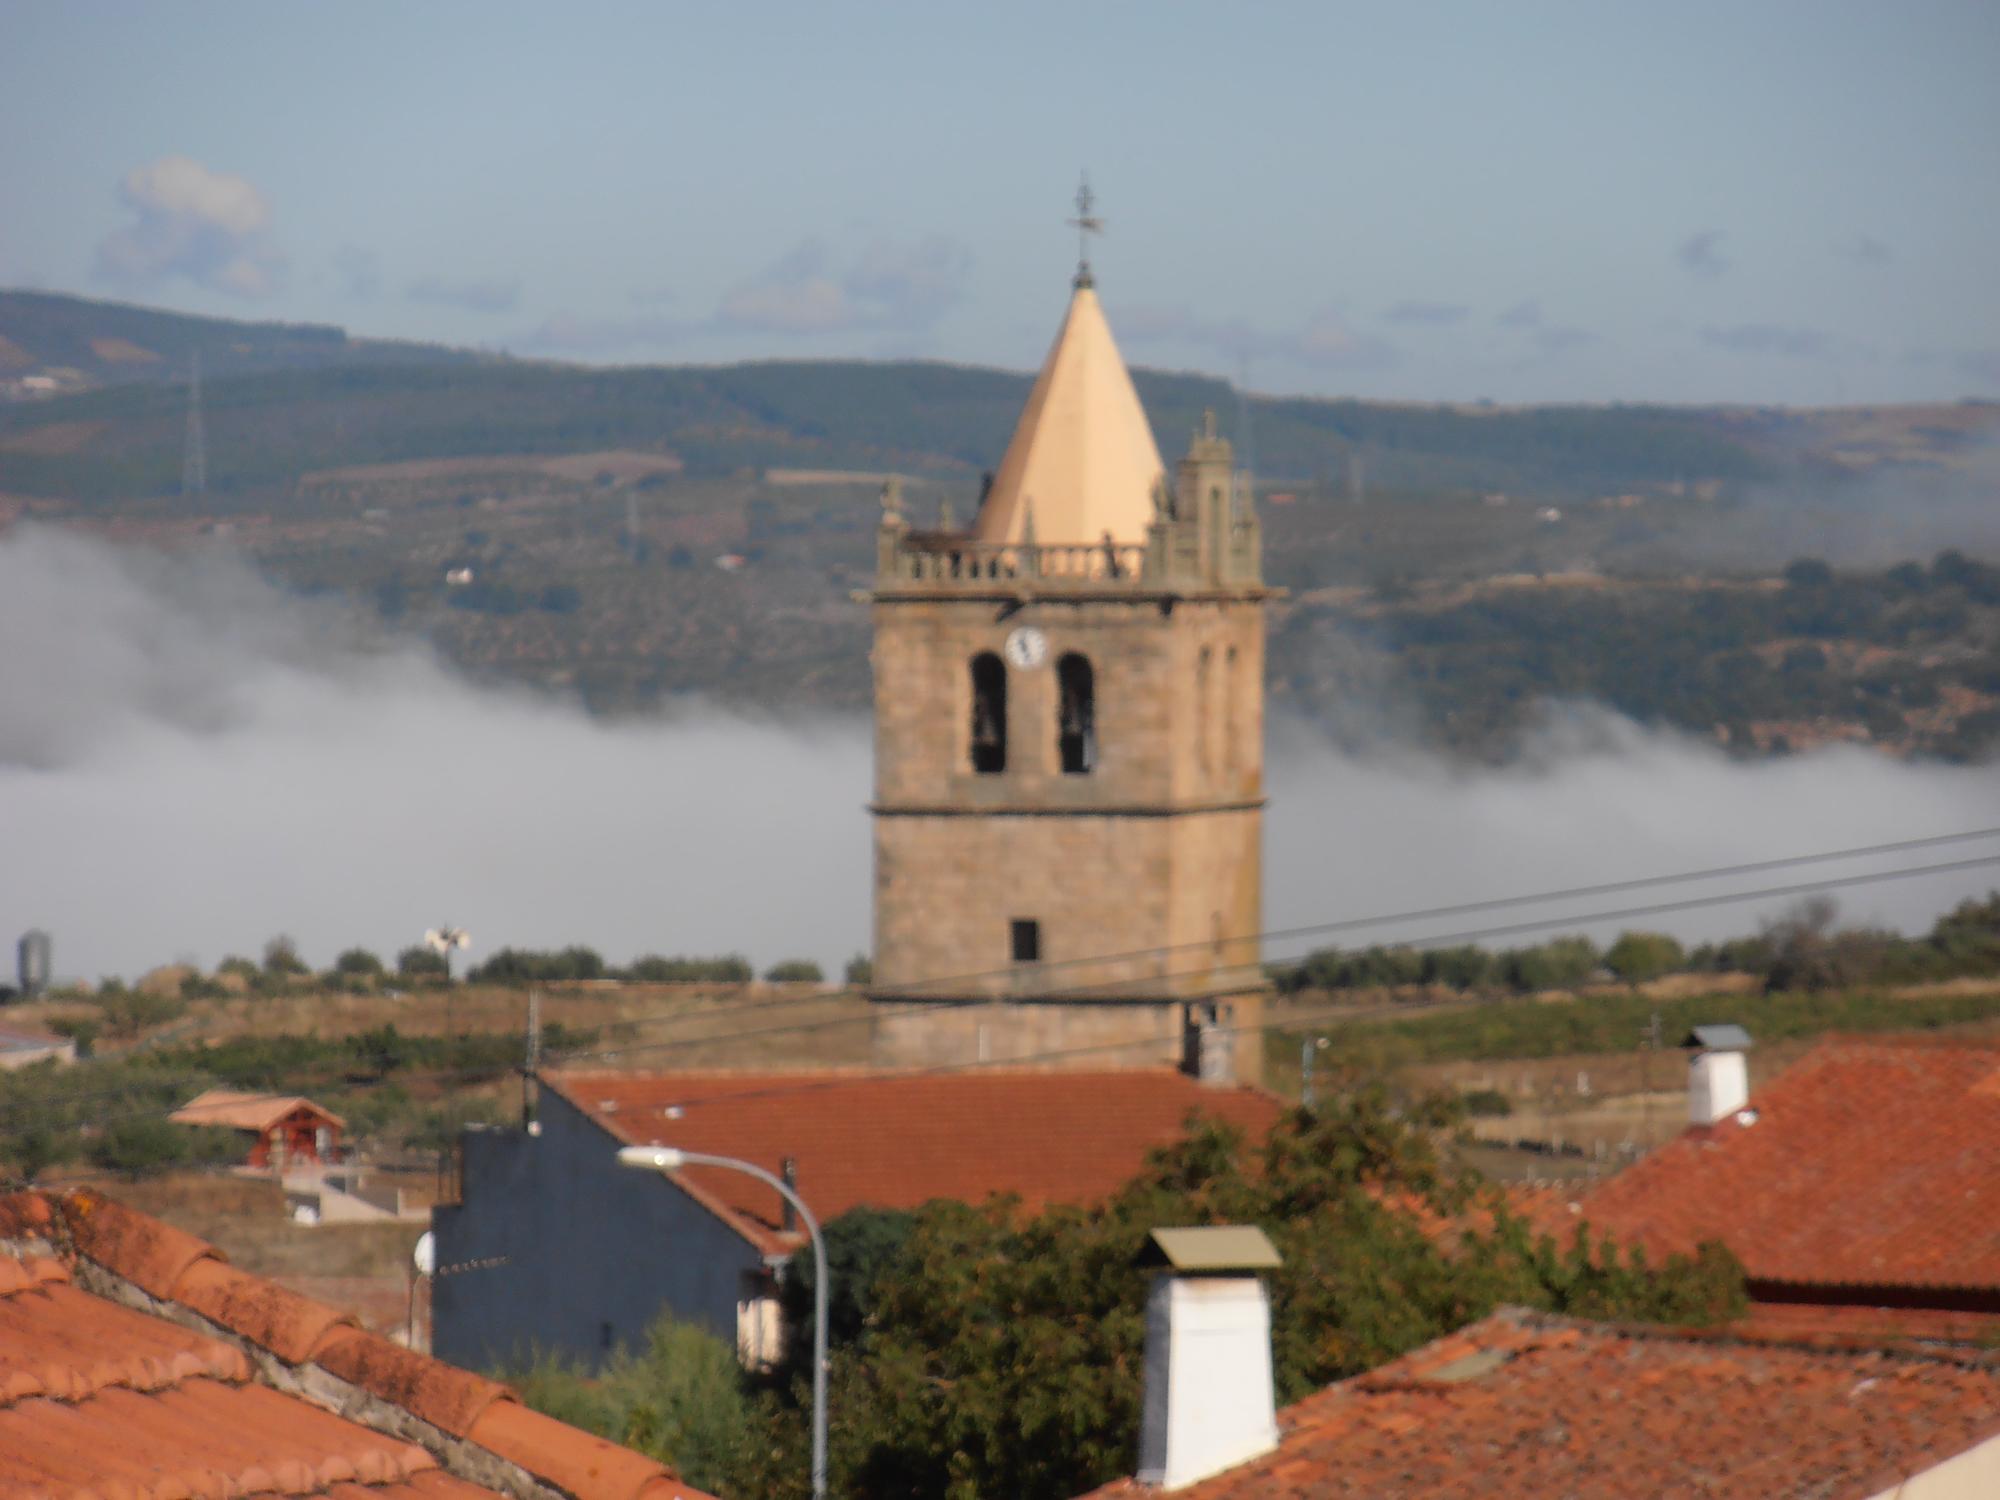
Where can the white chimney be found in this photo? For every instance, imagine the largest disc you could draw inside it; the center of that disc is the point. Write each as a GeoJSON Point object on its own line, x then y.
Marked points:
{"type": "Point", "coordinates": [1209, 1403]}
{"type": "Point", "coordinates": [1718, 1073]}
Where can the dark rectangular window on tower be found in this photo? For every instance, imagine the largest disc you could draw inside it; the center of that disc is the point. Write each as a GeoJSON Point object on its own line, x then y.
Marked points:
{"type": "Point", "coordinates": [1027, 936]}
{"type": "Point", "coordinates": [989, 714]}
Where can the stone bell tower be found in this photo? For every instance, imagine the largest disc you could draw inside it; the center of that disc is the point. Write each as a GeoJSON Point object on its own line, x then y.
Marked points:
{"type": "Point", "coordinates": [1069, 732]}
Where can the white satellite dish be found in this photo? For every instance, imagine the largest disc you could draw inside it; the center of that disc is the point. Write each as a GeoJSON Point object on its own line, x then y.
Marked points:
{"type": "Point", "coordinates": [425, 1255]}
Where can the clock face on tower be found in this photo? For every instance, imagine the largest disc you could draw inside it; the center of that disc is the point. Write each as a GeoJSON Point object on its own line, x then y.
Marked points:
{"type": "Point", "coordinates": [1027, 648]}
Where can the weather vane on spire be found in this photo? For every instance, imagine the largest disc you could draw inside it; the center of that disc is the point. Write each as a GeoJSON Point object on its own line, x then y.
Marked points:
{"type": "Point", "coordinates": [1085, 224]}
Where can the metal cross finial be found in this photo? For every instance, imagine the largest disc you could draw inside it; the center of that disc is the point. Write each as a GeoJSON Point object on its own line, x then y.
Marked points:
{"type": "Point", "coordinates": [1085, 224]}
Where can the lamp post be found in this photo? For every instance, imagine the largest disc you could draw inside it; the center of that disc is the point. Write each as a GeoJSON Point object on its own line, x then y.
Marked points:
{"type": "Point", "coordinates": [670, 1158]}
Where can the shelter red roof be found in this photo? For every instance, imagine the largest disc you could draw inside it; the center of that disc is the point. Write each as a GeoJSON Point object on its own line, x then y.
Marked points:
{"type": "Point", "coordinates": [1869, 1163]}
{"type": "Point", "coordinates": [240, 1111]}
{"type": "Point", "coordinates": [897, 1140]}
{"type": "Point", "coordinates": [1526, 1405]}
{"type": "Point", "coordinates": [134, 1360]}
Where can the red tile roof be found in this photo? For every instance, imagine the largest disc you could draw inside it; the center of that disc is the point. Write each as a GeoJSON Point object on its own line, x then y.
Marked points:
{"type": "Point", "coordinates": [135, 1361]}
{"type": "Point", "coordinates": [899, 1140]}
{"type": "Point", "coordinates": [1524, 1405]}
{"type": "Point", "coordinates": [1869, 1163]}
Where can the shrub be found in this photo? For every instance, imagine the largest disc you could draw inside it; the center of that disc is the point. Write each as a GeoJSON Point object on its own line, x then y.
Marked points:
{"type": "Point", "coordinates": [730, 968]}
{"type": "Point", "coordinates": [281, 957]}
{"type": "Point", "coordinates": [524, 966]}
{"type": "Point", "coordinates": [358, 961]}
{"type": "Point", "coordinates": [1561, 963]}
{"type": "Point", "coordinates": [77, 1029]}
{"type": "Point", "coordinates": [794, 971]}
{"type": "Point", "coordinates": [1487, 1104]}
{"type": "Point", "coordinates": [860, 970]}
{"type": "Point", "coordinates": [137, 1146]}
{"type": "Point", "coordinates": [129, 1012]}
{"type": "Point", "coordinates": [419, 963]}
{"type": "Point", "coordinates": [1639, 956]}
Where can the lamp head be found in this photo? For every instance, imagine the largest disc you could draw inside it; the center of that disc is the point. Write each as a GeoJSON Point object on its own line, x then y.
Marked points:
{"type": "Point", "coordinates": [651, 1158]}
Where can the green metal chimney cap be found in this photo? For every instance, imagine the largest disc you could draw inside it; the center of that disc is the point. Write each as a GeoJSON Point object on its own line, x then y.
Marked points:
{"type": "Point", "coordinates": [1220, 1249]}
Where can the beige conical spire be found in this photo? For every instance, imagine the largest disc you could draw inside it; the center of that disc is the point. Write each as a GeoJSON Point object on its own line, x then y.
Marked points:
{"type": "Point", "coordinates": [1083, 454]}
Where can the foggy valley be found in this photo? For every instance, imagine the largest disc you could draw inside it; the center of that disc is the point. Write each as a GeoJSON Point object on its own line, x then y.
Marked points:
{"type": "Point", "coordinates": [192, 761]}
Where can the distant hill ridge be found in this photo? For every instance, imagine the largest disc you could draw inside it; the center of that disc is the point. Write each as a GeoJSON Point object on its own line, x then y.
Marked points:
{"type": "Point", "coordinates": [116, 343]}
{"type": "Point", "coordinates": [283, 400]}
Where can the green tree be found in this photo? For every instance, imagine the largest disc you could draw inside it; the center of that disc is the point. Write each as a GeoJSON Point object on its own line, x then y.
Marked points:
{"type": "Point", "coordinates": [860, 970]}
{"type": "Point", "coordinates": [358, 962]}
{"type": "Point", "coordinates": [681, 1399]}
{"type": "Point", "coordinates": [1639, 956]}
{"type": "Point", "coordinates": [794, 971]}
{"type": "Point", "coordinates": [1001, 1354]}
{"type": "Point", "coordinates": [420, 963]}
{"type": "Point", "coordinates": [1560, 963]}
{"type": "Point", "coordinates": [281, 958]}
{"type": "Point", "coordinates": [139, 1145]}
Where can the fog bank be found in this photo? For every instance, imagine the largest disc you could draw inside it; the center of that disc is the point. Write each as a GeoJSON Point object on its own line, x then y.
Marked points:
{"type": "Point", "coordinates": [192, 761]}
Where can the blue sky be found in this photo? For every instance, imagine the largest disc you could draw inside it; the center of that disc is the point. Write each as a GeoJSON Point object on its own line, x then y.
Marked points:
{"type": "Point", "coordinates": [1782, 202]}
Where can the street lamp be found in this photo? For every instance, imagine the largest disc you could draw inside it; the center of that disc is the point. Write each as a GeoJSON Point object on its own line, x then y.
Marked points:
{"type": "Point", "coordinates": [672, 1158]}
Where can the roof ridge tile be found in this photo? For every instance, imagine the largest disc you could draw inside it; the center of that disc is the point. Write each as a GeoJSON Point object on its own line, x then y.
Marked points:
{"type": "Point", "coordinates": [152, 1255]}
{"type": "Point", "coordinates": [273, 1317]}
{"type": "Point", "coordinates": [443, 1395]}
{"type": "Point", "coordinates": [575, 1461]}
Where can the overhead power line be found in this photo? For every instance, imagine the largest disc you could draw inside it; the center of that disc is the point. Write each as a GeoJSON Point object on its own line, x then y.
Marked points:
{"type": "Point", "coordinates": [1428, 941]}
{"type": "Point", "coordinates": [1424, 941]}
{"type": "Point", "coordinates": [926, 987]}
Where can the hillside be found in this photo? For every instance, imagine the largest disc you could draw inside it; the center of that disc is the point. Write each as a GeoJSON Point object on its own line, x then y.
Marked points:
{"type": "Point", "coordinates": [320, 399]}
{"type": "Point", "coordinates": [76, 343]}
{"type": "Point", "coordinates": [634, 533]}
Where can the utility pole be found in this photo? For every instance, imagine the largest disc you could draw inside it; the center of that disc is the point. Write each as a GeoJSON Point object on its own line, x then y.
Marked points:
{"type": "Point", "coordinates": [1308, 1048]}
{"type": "Point", "coordinates": [531, 1067]}
{"type": "Point", "coordinates": [194, 451]}
{"type": "Point", "coordinates": [1649, 1043]}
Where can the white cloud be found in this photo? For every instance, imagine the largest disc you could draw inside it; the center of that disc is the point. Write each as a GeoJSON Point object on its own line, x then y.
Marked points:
{"type": "Point", "coordinates": [212, 228]}
{"type": "Point", "coordinates": [796, 294]}
{"type": "Point", "coordinates": [891, 286]}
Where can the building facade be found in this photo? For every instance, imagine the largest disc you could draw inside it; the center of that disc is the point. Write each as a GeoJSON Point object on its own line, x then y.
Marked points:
{"type": "Point", "coordinates": [1069, 768]}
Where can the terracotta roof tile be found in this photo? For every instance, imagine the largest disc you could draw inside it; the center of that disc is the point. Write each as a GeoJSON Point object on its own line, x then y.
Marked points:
{"type": "Point", "coordinates": [893, 1140]}
{"type": "Point", "coordinates": [102, 1399]}
{"type": "Point", "coordinates": [268, 1315]}
{"type": "Point", "coordinates": [1593, 1410]}
{"type": "Point", "coordinates": [1869, 1163]}
{"type": "Point", "coordinates": [240, 1111]}
{"type": "Point", "coordinates": [151, 1255]}
{"type": "Point", "coordinates": [572, 1459]}
{"type": "Point", "coordinates": [442, 1394]}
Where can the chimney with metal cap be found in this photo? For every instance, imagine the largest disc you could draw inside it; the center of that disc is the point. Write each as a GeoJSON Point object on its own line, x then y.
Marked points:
{"type": "Point", "coordinates": [1718, 1073]}
{"type": "Point", "coordinates": [1209, 1401]}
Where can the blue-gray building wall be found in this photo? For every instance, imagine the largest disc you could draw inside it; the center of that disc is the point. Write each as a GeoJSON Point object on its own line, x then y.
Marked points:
{"type": "Point", "coordinates": [587, 1252]}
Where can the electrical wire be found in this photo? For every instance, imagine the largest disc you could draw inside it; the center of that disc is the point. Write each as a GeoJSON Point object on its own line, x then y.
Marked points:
{"type": "Point", "coordinates": [1433, 940]}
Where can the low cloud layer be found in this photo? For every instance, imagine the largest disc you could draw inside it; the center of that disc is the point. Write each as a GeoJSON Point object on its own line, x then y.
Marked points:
{"type": "Point", "coordinates": [194, 223]}
{"type": "Point", "coordinates": [192, 761]}
{"type": "Point", "coordinates": [1895, 514]}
